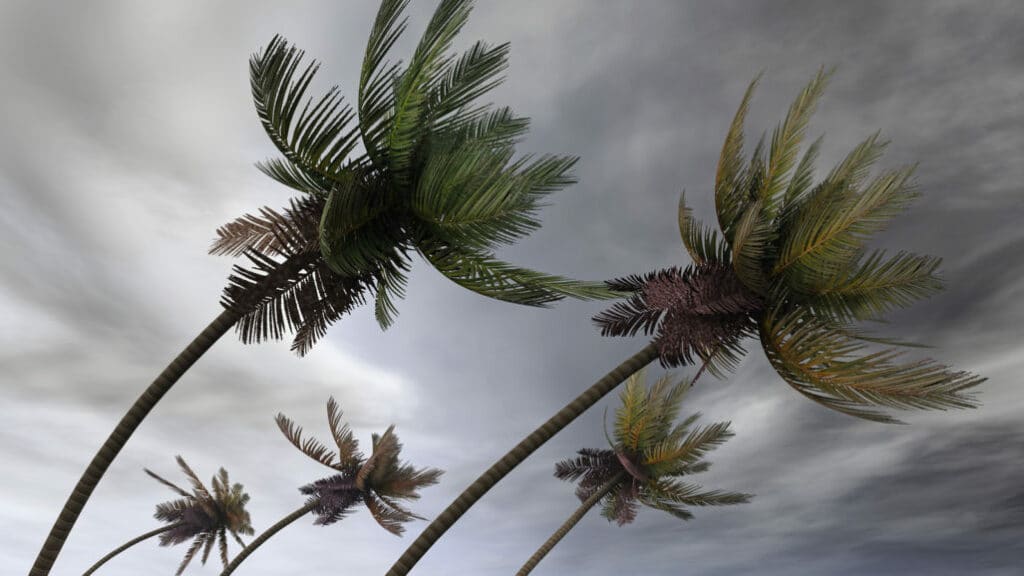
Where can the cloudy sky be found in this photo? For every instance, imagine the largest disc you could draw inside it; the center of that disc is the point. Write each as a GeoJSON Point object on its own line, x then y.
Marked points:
{"type": "Point", "coordinates": [130, 136]}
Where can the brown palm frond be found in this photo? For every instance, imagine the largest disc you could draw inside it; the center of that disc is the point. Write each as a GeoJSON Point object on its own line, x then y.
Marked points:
{"type": "Point", "coordinates": [333, 498]}
{"type": "Point", "coordinates": [833, 369]}
{"type": "Point", "coordinates": [310, 446]}
{"type": "Point", "coordinates": [693, 311]}
{"type": "Point", "coordinates": [167, 483]}
{"type": "Point", "coordinates": [388, 517]}
{"type": "Point", "coordinates": [348, 446]}
{"type": "Point", "coordinates": [588, 461]}
{"type": "Point", "coordinates": [259, 232]}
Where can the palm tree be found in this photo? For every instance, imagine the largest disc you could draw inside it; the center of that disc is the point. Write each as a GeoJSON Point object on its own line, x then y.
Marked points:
{"type": "Point", "coordinates": [435, 178]}
{"type": "Point", "coordinates": [203, 517]}
{"type": "Point", "coordinates": [379, 481]}
{"type": "Point", "coordinates": [648, 452]}
{"type": "Point", "coordinates": [790, 267]}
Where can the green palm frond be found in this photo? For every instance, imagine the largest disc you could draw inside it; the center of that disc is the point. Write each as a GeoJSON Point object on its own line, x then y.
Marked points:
{"type": "Point", "coordinates": [669, 491]}
{"type": "Point", "coordinates": [800, 184]}
{"type": "Point", "coordinates": [832, 226]}
{"type": "Point", "coordinates": [730, 198]}
{"type": "Point", "coordinates": [786, 139]}
{"type": "Point", "coordinates": [411, 98]}
{"type": "Point", "coordinates": [670, 452]}
{"type": "Point", "coordinates": [376, 79]}
{"type": "Point", "coordinates": [488, 276]}
{"type": "Point", "coordinates": [315, 142]}
{"type": "Point", "coordinates": [871, 287]}
{"type": "Point", "coordinates": [833, 369]}
{"type": "Point", "coordinates": [474, 198]}
{"type": "Point", "coordinates": [702, 242]}
{"type": "Point", "coordinates": [633, 412]}
{"type": "Point", "coordinates": [474, 74]}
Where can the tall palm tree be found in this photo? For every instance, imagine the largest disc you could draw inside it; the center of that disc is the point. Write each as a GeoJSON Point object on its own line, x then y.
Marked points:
{"type": "Point", "coordinates": [379, 481]}
{"type": "Point", "coordinates": [435, 178]}
{"type": "Point", "coordinates": [649, 451]}
{"type": "Point", "coordinates": [789, 266]}
{"type": "Point", "coordinates": [205, 518]}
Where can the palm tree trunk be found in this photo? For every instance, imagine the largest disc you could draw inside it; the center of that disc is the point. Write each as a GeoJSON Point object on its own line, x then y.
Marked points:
{"type": "Point", "coordinates": [244, 553]}
{"type": "Point", "coordinates": [273, 281]}
{"type": "Point", "coordinates": [128, 545]}
{"type": "Point", "coordinates": [568, 524]}
{"type": "Point", "coordinates": [117, 439]}
{"type": "Point", "coordinates": [514, 457]}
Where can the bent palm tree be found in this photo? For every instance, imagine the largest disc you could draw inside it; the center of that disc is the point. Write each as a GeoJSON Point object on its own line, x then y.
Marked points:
{"type": "Point", "coordinates": [379, 481]}
{"type": "Point", "coordinates": [648, 452]}
{"type": "Point", "coordinates": [789, 267]}
{"type": "Point", "coordinates": [436, 178]}
{"type": "Point", "coordinates": [204, 517]}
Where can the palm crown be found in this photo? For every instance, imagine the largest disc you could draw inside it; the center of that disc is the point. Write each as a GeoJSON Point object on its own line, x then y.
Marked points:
{"type": "Point", "coordinates": [436, 177]}
{"type": "Point", "coordinates": [789, 264]}
{"type": "Point", "coordinates": [204, 517]}
{"type": "Point", "coordinates": [649, 451]}
{"type": "Point", "coordinates": [379, 481]}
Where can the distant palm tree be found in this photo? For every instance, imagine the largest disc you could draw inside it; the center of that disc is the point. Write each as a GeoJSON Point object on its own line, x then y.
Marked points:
{"type": "Point", "coordinates": [204, 517]}
{"type": "Point", "coordinates": [379, 481]}
{"type": "Point", "coordinates": [649, 451]}
{"type": "Point", "coordinates": [435, 178]}
{"type": "Point", "coordinates": [790, 267]}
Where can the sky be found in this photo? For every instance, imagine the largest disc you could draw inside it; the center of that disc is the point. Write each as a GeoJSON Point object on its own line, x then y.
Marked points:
{"type": "Point", "coordinates": [130, 136]}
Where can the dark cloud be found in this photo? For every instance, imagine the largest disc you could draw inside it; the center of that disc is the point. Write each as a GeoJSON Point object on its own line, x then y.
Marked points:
{"type": "Point", "coordinates": [130, 138]}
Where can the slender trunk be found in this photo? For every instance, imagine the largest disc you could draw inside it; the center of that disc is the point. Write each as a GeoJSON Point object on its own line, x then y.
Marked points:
{"type": "Point", "coordinates": [485, 482]}
{"type": "Point", "coordinates": [568, 524]}
{"type": "Point", "coordinates": [244, 553]}
{"type": "Point", "coordinates": [117, 439]}
{"type": "Point", "coordinates": [128, 545]}
{"type": "Point", "coordinates": [273, 281]}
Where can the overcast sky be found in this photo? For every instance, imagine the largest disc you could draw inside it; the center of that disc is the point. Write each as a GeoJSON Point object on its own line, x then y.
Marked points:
{"type": "Point", "coordinates": [129, 136]}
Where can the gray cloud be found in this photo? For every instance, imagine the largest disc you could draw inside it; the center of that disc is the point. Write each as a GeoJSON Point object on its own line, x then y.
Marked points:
{"type": "Point", "coordinates": [130, 137]}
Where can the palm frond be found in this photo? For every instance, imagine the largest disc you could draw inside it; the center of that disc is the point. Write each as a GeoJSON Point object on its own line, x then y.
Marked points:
{"type": "Point", "coordinates": [389, 518]}
{"type": "Point", "coordinates": [703, 243]}
{"type": "Point", "coordinates": [693, 311]}
{"type": "Point", "coordinates": [474, 74]}
{"type": "Point", "coordinates": [832, 369]}
{"type": "Point", "coordinates": [310, 447]}
{"type": "Point", "coordinates": [729, 197]}
{"type": "Point", "coordinates": [676, 492]}
{"type": "Point", "coordinates": [488, 276]}
{"type": "Point", "coordinates": [167, 483]}
{"type": "Point", "coordinates": [800, 184]}
{"type": "Point", "coordinates": [830, 227]}
{"type": "Point", "coordinates": [348, 445]}
{"type": "Point", "coordinates": [390, 285]}
{"type": "Point", "coordinates": [316, 143]}
{"type": "Point", "coordinates": [871, 287]}
{"type": "Point", "coordinates": [376, 99]}
{"type": "Point", "coordinates": [786, 139]}
{"type": "Point", "coordinates": [588, 460]}
{"type": "Point", "coordinates": [426, 67]}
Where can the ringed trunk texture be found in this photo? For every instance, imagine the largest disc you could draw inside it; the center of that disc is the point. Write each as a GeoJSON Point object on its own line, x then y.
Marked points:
{"type": "Point", "coordinates": [244, 553]}
{"type": "Point", "coordinates": [514, 457]}
{"type": "Point", "coordinates": [128, 545]}
{"type": "Point", "coordinates": [568, 524]}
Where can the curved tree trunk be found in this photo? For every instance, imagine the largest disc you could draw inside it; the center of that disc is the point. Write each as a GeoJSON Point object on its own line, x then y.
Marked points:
{"type": "Point", "coordinates": [514, 457]}
{"type": "Point", "coordinates": [244, 553]}
{"type": "Point", "coordinates": [273, 281]}
{"type": "Point", "coordinates": [568, 524]}
{"type": "Point", "coordinates": [117, 439]}
{"type": "Point", "coordinates": [128, 545]}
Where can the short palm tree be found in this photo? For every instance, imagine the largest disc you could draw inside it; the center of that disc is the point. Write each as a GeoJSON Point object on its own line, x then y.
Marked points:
{"type": "Point", "coordinates": [436, 178]}
{"type": "Point", "coordinates": [380, 481]}
{"type": "Point", "coordinates": [649, 451]}
{"type": "Point", "coordinates": [202, 516]}
{"type": "Point", "coordinates": [789, 266]}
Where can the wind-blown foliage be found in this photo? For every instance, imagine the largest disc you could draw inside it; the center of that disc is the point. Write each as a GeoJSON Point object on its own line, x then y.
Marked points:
{"type": "Point", "coordinates": [790, 264]}
{"type": "Point", "coordinates": [437, 176]}
{"type": "Point", "coordinates": [380, 481]}
{"type": "Point", "coordinates": [201, 516]}
{"type": "Point", "coordinates": [650, 451]}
